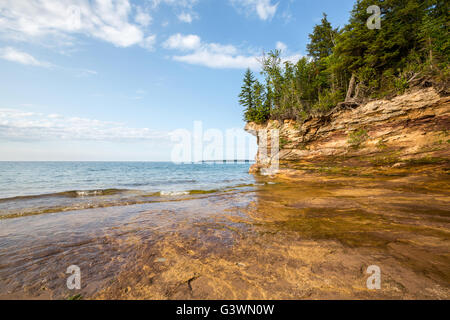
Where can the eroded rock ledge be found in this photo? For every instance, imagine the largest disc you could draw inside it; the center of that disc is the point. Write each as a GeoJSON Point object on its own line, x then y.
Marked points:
{"type": "Point", "coordinates": [403, 132]}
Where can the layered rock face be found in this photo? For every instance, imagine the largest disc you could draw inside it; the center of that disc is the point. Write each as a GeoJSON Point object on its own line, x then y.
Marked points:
{"type": "Point", "coordinates": [405, 131]}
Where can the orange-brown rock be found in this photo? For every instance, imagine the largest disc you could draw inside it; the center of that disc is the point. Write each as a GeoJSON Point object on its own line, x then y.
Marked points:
{"type": "Point", "coordinates": [409, 128]}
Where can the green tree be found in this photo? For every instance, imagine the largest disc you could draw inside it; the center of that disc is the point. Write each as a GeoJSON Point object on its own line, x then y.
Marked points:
{"type": "Point", "coordinates": [262, 110]}
{"type": "Point", "coordinates": [322, 40]}
{"type": "Point", "coordinates": [273, 73]}
{"type": "Point", "coordinates": [434, 32]}
{"type": "Point", "coordinates": [320, 47]}
{"type": "Point", "coordinates": [246, 98]}
{"type": "Point", "coordinates": [355, 62]}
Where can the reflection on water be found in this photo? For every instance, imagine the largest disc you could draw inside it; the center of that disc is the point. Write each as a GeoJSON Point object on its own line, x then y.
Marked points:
{"type": "Point", "coordinates": [36, 250]}
{"type": "Point", "coordinates": [283, 239]}
{"type": "Point", "coordinates": [388, 215]}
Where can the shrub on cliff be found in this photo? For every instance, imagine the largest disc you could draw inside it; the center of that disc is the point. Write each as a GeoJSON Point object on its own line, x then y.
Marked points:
{"type": "Point", "coordinates": [356, 138]}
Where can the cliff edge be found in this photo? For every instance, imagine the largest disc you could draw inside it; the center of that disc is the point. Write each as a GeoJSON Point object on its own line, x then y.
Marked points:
{"type": "Point", "coordinates": [381, 136]}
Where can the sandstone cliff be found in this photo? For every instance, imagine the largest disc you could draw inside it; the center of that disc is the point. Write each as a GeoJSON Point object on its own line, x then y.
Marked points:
{"type": "Point", "coordinates": [407, 131]}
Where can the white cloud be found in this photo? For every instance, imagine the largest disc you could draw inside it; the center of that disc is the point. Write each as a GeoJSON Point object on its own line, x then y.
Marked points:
{"type": "Point", "coordinates": [263, 8]}
{"type": "Point", "coordinates": [84, 72]}
{"type": "Point", "coordinates": [281, 46]}
{"type": "Point", "coordinates": [108, 20]}
{"type": "Point", "coordinates": [180, 42]}
{"type": "Point", "coordinates": [142, 18]}
{"type": "Point", "coordinates": [184, 7]}
{"type": "Point", "coordinates": [14, 55]}
{"type": "Point", "coordinates": [185, 17]}
{"type": "Point", "coordinates": [31, 126]}
{"type": "Point", "coordinates": [177, 3]}
{"type": "Point", "coordinates": [216, 55]}
{"type": "Point", "coordinates": [149, 42]}
{"type": "Point", "coordinates": [219, 60]}
{"type": "Point", "coordinates": [212, 55]}
{"type": "Point", "coordinates": [292, 58]}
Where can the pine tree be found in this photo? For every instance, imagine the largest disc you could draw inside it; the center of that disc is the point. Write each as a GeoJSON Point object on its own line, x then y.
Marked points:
{"type": "Point", "coordinates": [246, 98]}
{"type": "Point", "coordinates": [262, 110]}
{"type": "Point", "coordinates": [321, 46]}
{"type": "Point", "coordinates": [355, 62]}
{"type": "Point", "coordinates": [434, 33]}
{"type": "Point", "coordinates": [322, 40]}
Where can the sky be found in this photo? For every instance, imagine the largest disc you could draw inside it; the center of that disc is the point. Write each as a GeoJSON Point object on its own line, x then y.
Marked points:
{"type": "Point", "coordinates": [125, 80]}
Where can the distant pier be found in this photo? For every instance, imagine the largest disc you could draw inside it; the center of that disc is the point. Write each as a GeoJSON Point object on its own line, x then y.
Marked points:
{"type": "Point", "coordinates": [227, 161]}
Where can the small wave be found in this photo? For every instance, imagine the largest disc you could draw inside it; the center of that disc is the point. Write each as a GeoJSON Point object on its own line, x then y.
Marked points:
{"type": "Point", "coordinates": [174, 193]}
{"type": "Point", "coordinates": [79, 200]}
{"type": "Point", "coordinates": [89, 193]}
{"type": "Point", "coordinates": [190, 192]}
{"type": "Point", "coordinates": [68, 194]}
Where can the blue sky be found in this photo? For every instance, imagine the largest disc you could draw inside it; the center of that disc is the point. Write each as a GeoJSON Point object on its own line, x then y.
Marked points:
{"type": "Point", "coordinates": [109, 80]}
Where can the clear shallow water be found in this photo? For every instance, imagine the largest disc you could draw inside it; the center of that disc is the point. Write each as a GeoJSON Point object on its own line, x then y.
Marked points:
{"type": "Point", "coordinates": [42, 187]}
{"type": "Point", "coordinates": [36, 250]}
{"type": "Point", "coordinates": [97, 215]}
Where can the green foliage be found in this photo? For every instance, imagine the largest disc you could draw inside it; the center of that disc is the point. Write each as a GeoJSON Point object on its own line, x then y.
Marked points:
{"type": "Point", "coordinates": [401, 84]}
{"type": "Point", "coordinates": [252, 97]}
{"type": "Point", "coordinates": [246, 96]}
{"type": "Point", "coordinates": [328, 100]}
{"type": "Point", "coordinates": [381, 144]}
{"type": "Point", "coordinates": [322, 40]}
{"type": "Point", "coordinates": [412, 44]}
{"type": "Point", "coordinates": [356, 138]}
{"type": "Point", "coordinates": [283, 142]}
{"type": "Point", "coordinates": [434, 31]}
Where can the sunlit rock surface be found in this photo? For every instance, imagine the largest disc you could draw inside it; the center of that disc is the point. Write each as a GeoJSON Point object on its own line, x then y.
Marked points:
{"type": "Point", "coordinates": [412, 128]}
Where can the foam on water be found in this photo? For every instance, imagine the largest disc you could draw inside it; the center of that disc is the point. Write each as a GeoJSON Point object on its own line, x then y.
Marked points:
{"type": "Point", "coordinates": [28, 188]}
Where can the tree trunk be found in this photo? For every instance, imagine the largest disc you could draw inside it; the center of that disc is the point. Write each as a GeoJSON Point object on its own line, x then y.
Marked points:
{"type": "Point", "coordinates": [356, 92]}
{"type": "Point", "coordinates": [351, 88]}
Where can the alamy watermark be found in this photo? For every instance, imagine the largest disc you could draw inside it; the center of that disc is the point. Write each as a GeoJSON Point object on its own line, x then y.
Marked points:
{"type": "Point", "coordinates": [74, 17]}
{"type": "Point", "coordinates": [74, 281]}
{"type": "Point", "coordinates": [374, 281]}
{"type": "Point", "coordinates": [374, 21]}
{"type": "Point", "coordinates": [230, 145]}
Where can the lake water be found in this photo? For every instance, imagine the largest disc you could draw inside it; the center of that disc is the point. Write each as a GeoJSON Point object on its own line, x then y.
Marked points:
{"type": "Point", "coordinates": [28, 188]}
{"type": "Point", "coordinates": [212, 231]}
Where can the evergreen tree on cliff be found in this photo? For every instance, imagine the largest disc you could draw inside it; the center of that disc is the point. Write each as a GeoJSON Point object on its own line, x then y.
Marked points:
{"type": "Point", "coordinates": [322, 40]}
{"type": "Point", "coordinates": [357, 62]}
{"type": "Point", "coordinates": [320, 48]}
{"type": "Point", "coordinates": [246, 97]}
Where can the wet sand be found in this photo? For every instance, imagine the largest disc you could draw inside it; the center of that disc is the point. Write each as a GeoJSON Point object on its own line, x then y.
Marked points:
{"type": "Point", "coordinates": [308, 238]}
